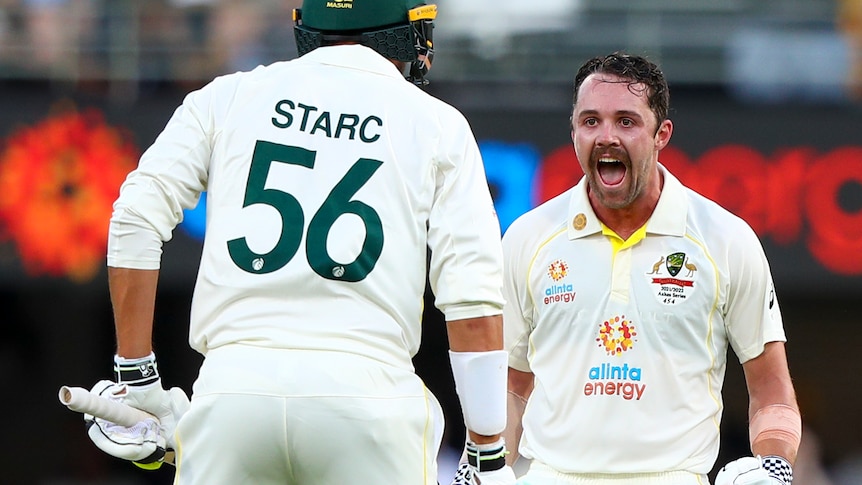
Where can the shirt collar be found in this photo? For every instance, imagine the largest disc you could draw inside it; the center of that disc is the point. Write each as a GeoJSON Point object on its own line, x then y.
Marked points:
{"type": "Point", "coordinates": [353, 56]}
{"type": "Point", "coordinates": [668, 218]}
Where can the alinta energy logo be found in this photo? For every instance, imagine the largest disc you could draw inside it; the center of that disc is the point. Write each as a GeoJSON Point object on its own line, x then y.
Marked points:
{"type": "Point", "coordinates": [617, 335]}
{"type": "Point", "coordinates": [558, 270]}
{"type": "Point", "coordinates": [559, 291]}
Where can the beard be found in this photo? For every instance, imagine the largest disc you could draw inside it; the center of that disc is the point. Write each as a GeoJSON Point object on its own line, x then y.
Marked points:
{"type": "Point", "coordinates": [613, 183]}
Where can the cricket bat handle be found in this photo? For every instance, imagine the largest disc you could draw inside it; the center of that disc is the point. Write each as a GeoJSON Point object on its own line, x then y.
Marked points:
{"type": "Point", "coordinates": [80, 400]}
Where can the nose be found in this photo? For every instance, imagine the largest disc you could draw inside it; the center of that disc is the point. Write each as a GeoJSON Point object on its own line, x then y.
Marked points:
{"type": "Point", "coordinates": [607, 136]}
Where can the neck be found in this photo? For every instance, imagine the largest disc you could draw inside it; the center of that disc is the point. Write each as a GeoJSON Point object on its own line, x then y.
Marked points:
{"type": "Point", "coordinates": [624, 222]}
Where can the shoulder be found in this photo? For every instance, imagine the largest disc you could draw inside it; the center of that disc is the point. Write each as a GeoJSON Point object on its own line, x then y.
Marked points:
{"type": "Point", "coordinates": [539, 223]}
{"type": "Point", "coordinates": [260, 74]}
{"type": "Point", "coordinates": [717, 225]}
{"type": "Point", "coordinates": [226, 91]}
{"type": "Point", "coordinates": [425, 103]}
{"type": "Point", "coordinates": [225, 83]}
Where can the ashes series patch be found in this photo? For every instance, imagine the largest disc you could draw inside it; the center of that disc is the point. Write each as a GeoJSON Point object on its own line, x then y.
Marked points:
{"type": "Point", "coordinates": [672, 278]}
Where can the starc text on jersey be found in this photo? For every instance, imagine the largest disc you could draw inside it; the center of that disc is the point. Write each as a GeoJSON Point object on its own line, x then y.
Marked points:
{"type": "Point", "coordinates": [334, 125]}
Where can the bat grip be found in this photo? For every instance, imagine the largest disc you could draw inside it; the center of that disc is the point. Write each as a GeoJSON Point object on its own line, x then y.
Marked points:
{"type": "Point", "coordinates": [81, 400]}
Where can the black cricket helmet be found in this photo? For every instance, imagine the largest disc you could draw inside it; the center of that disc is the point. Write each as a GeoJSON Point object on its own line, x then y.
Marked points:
{"type": "Point", "coordinates": [397, 29]}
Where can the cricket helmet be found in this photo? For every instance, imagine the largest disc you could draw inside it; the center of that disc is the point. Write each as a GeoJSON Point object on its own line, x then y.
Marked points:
{"type": "Point", "coordinates": [397, 29]}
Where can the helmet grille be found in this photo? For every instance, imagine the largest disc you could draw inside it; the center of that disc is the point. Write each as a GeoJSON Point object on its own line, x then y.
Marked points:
{"type": "Point", "coordinates": [393, 43]}
{"type": "Point", "coordinates": [306, 40]}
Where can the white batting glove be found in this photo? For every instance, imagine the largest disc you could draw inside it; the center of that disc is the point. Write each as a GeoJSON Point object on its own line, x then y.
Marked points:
{"type": "Point", "coordinates": [139, 385]}
{"type": "Point", "coordinates": [485, 465]}
{"type": "Point", "coordinates": [144, 391]}
{"type": "Point", "coordinates": [754, 470]}
{"type": "Point", "coordinates": [140, 443]}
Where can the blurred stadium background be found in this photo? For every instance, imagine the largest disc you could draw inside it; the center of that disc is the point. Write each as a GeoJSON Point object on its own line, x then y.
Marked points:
{"type": "Point", "coordinates": [766, 98]}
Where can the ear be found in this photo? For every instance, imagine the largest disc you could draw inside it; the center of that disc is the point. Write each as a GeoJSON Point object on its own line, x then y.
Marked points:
{"type": "Point", "coordinates": [662, 135]}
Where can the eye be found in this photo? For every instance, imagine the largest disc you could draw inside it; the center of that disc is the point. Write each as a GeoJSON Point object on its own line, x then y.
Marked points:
{"type": "Point", "coordinates": [627, 122]}
{"type": "Point", "coordinates": [591, 122]}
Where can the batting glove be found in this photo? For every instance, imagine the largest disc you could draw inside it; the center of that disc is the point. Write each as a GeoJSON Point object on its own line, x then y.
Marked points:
{"type": "Point", "coordinates": [139, 385]}
{"type": "Point", "coordinates": [754, 470]}
{"type": "Point", "coordinates": [140, 443]}
{"type": "Point", "coordinates": [486, 465]}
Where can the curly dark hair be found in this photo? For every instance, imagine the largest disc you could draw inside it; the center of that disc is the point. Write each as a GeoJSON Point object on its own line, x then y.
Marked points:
{"type": "Point", "coordinates": [636, 70]}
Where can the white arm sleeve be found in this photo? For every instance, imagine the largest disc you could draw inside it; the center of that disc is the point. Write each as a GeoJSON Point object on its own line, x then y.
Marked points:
{"type": "Point", "coordinates": [480, 381]}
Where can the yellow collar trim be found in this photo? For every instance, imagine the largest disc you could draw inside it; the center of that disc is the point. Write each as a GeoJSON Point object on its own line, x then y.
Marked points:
{"type": "Point", "coordinates": [619, 243]}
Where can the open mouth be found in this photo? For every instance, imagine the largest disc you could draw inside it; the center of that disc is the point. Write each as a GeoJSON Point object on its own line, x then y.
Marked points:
{"type": "Point", "coordinates": [611, 171]}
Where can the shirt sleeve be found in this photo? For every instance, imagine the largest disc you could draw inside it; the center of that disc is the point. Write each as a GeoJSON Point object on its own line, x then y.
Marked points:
{"type": "Point", "coordinates": [169, 178]}
{"type": "Point", "coordinates": [518, 312]}
{"type": "Point", "coordinates": [752, 316]}
{"type": "Point", "coordinates": [465, 270]}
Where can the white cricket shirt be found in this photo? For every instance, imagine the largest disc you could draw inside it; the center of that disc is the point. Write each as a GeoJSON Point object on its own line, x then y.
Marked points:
{"type": "Point", "coordinates": [327, 177]}
{"type": "Point", "coordinates": [627, 341]}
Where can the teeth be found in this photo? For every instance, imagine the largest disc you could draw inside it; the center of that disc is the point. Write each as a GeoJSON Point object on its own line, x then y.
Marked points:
{"type": "Point", "coordinates": [608, 160]}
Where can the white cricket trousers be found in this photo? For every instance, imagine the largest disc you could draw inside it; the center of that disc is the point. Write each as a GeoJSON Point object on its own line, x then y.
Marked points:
{"type": "Point", "coordinates": [262, 416]}
{"type": "Point", "coordinates": [541, 474]}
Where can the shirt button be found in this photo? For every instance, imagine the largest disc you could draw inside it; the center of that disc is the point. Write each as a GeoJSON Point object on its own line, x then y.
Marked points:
{"type": "Point", "coordinates": [579, 222]}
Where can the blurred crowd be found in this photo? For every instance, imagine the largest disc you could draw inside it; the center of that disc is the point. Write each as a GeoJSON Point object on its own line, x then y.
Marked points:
{"type": "Point", "coordinates": [142, 40]}
{"type": "Point", "coordinates": [180, 40]}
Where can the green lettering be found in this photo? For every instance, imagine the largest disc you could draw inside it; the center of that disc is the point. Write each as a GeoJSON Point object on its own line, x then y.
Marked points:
{"type": "Point", "coordinates": [322, 123]}
{"type": "Point", "coordinates": [344, 125]}
{"type": "Point", "coordinates": [305, 110]}
{"type": "Point", "coordinates": [363, 136]}
{"type": "Point", "coordinates": [279, 108]}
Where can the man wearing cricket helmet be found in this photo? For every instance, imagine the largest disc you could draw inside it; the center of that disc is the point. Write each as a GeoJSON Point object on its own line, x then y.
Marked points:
{"type": "Point", "coordinates": [328, 178]}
